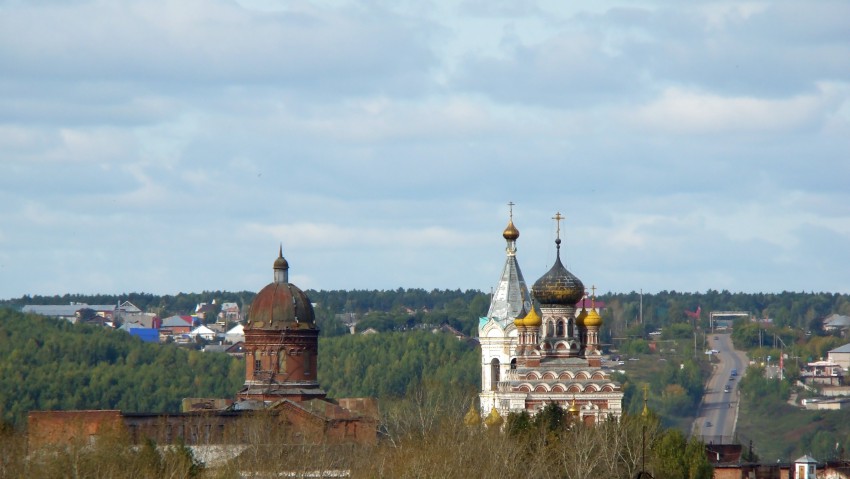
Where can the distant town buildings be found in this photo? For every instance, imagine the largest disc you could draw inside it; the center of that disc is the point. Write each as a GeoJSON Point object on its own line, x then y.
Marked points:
{"type": "Point", "coordinates": [74, 312]}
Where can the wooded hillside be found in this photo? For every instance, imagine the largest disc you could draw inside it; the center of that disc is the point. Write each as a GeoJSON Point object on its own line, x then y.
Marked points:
{"type": "Point", "coordinates": [52, 364]}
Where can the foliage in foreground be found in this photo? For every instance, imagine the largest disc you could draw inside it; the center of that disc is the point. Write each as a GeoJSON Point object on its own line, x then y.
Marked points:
{"type": "Point", "coordinates": [425, 438]}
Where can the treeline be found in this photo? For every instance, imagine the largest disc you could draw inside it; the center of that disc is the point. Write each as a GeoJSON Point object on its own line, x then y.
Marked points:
{"type": "Point", "coordinates": [402, 309]}
{"type": "Point", "coordinates": [762, 340]}
{"type": "Point", "coordinates": [786, 309]}
{"type": "Point", "coordinates": [391, 310]}
{"type": "Point", "coordinates": [48, 364]}
{"type": "Point", "coordinates": [163, 305]}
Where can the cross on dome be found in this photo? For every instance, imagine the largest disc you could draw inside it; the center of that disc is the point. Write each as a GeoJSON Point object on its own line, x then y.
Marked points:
{"type": "Point", "coordinates": [558, 217]}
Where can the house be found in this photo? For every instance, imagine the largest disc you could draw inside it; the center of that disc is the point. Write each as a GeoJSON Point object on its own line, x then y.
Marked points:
{"type": "Point", "coordinates": [71, 311]}
{"type": "Point", "coordinates": [723, 453]}
{"type": "Point", "coordinates": [822, 372]}
{"type": "Point", "coordinates": [62, 311]}
{"type": "Point", "coordinates": [805, 467]}
{"type": "Point", "coordinates": [229, 313]}
{"type": "Point", "coordinates": [237, 350]}
{"type": "Point", "coordinates": [203, 332]}
{"type": "Point", "coordinates": [840, 356]}
{"type": "Point", "coordinates": [176, 325]}
{"type": "Point", "coordinates": [148, 335]}
{"type": "Point", "coordinates": [588, 304]}
{"type": "Point", "coordinates": [126, 311]}
{"type": "Point", "coordinates": [143, 320]}
{"type": "Point", "coordinates": [447, 328]}
{"type": "Point", "coordinates": [235, 334]}
{"type": "Point", "coordinates": [204, 310]}
{"type": "Point", "coordinates": [835, 404]}
{"type": "Point", "coordinates": [836, 323]}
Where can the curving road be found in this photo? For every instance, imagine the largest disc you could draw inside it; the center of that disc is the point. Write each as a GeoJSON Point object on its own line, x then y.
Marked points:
{"type": "Point", "coordinates": [718, 412]}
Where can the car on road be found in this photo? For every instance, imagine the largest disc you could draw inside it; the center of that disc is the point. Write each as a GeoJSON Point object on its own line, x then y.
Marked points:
{"type": "Point", "coordinates": [727, 389]}
{"type": "Point", "coordinates": [707, 424]}
{"type": "Point", "coordinates": [734, 372]}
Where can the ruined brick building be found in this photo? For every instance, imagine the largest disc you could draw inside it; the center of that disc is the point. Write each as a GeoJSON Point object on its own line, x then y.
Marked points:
{"type": "Point", "coordinates": [281, 389]}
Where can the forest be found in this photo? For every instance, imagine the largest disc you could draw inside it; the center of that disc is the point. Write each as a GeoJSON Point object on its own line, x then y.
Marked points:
{"type": "Point", "coordinates": [52, 364]}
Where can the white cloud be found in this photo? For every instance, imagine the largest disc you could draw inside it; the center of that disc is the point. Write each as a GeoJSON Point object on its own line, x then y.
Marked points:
{"type": "Point", "coordinates": [680, 111]}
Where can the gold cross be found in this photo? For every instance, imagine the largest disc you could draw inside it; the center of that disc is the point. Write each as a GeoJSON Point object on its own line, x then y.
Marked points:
{"type": "Point", "coordinates": [511, 206]}
{"type": "Point", "coordinates": [558, 217]}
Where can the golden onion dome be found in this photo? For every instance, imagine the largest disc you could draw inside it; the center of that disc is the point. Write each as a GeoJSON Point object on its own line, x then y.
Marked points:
{"type": "Point", "coordinates": [532, 319]}
{"type": "Point", "coordinates": [558, 286]}
{"type": "Point", "coordinates": [494, 419]}
{"type": "Point", "coordinates": [593, 319]}
{"type": "Point", "coordinates": [510, 233]}
{"type": "Point", "coordinates": [582, 315]}
{"type": "Point", "coordinates": [574, 409]}
{"type": "Point", "coordinates": [472, 418]}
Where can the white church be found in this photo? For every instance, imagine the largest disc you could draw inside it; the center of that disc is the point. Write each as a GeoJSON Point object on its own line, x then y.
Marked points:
{"type": "Point", "coordinates": [543, 347]}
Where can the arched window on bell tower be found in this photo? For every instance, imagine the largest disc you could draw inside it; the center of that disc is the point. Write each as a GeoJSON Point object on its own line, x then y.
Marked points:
{"type": "Point", "coordinates": [560, 329]}
{"type": "Point", "coordinates": [281, 361]}
{"type": "Point", "coordinates": [308, 364]}
{"type": "Point", "coordinates": [258, 362]}
{"type": "Point", "coordinates": [513, 363]}
{"type": "Point", "coordinates": [494, 373]}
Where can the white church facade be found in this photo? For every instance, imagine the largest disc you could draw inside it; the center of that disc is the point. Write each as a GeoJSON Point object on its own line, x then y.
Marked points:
{"type": "Point", "coordinates": [539, 347]}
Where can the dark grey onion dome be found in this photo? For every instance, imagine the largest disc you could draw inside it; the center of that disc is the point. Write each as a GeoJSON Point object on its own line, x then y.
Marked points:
{"type": "Point", "coordinates": [558, 286]}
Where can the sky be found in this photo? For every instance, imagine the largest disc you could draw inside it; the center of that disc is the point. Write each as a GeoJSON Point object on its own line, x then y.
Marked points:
{"type": "Point", "coordinates": [173, 146]}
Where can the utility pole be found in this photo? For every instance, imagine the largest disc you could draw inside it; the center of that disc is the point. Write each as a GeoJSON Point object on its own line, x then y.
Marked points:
{"type": "Point", "coordinates": [641, 306]}
{"type": "Point", "coordinates": [695, 343]}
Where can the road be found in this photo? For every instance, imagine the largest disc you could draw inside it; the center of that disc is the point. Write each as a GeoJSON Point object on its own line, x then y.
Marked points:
{"type": "Point", "coordinates": [718, 412]}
